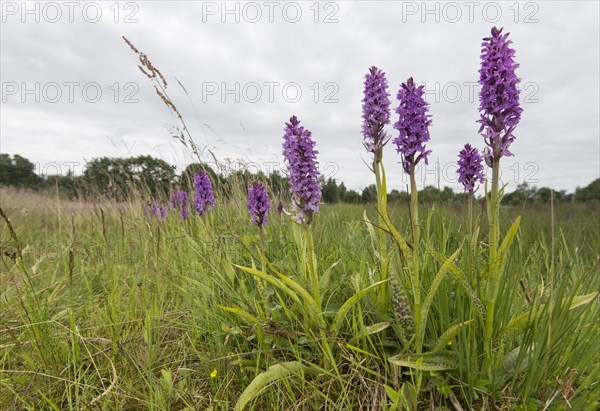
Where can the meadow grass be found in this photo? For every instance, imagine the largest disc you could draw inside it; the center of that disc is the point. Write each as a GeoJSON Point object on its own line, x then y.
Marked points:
{"type": "Point", "coordinates": [110, 309]}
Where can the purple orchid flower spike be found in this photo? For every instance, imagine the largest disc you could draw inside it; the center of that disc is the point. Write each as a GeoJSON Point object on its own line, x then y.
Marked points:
{"type": "Point", "coordinates": [258, 204]}
{"type": "Point", "coordinates": [204, 198]}
{"type": "Point", "coordinates": [376, 111]}
{"type": "Point", "coordinates": [470, 167]}
{"type": "Point", "coordinates": [499, 95]}
{"type": "Point", "coordinates": [301, 158]}
{"type": "Point", "coordinates": [413, 125]}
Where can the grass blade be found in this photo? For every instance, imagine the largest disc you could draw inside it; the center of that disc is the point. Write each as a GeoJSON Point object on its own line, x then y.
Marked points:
{"type": "Point", "coordinates": [265, 378]}
{"type": "Point", "coordinates": [431, 361]}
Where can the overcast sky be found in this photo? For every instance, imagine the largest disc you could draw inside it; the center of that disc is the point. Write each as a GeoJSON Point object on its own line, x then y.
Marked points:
{"type": "Point", "coordinates": [71, 89]}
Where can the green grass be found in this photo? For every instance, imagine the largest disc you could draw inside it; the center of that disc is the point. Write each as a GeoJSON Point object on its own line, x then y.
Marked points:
{"type": "Point", "coordinates": [109, 309]}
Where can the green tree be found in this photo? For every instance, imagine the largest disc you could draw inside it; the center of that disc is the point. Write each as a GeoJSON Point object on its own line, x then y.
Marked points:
{"type": "Point", "coordinates": [543, 195]}
{"type": "Point", "coordinates": [396, 195]}
{"type": "Point", "coordinates": [342, 191]}
{"type": "Point", "coordinates": [17, 171]}
{"type": "Point", "coordinates": [369, 194]}
{"type": "Point", "coordinates": [278, 184]}
{"type": "Point", "coordinates": [352, 197]}
{"type": "Point", "coordinates": [120, 178]}
{"type": "Point", "coordinates": [588, 193]}
{"type": "Point", "coordinates": [186, 179]}
{"type": "Point", "coordinates": [331, 191]}
{"type": "Point", "coordinates": [522, 193]}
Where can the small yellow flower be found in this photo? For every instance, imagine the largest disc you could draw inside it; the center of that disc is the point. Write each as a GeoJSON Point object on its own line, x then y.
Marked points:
{"type": "Point", "coordinates": [213, 374]}
{"type": "Point", "coordinates": [449, 344]}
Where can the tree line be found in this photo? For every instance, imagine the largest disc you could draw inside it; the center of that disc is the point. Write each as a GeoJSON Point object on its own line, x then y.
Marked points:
{"type": "Point", "coordinates": [124, 178]}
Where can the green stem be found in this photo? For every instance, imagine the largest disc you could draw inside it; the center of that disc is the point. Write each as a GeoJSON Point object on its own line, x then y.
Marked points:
{"type": "Point", "coordinates": [312, 271]}
{"type": "Point", "coordinates": [263, 263]}
{"type": "Point", "coordinates": [469, 233]}
{"type": "Point", "coordinates": [470, 216]}
{"type": "Point", "coordinates": [416, 233]}
{"type": "Point", "coordinates": [492, 286]}
{"type": "Point", "coordinates": [494, 217]}
{"type": "Point", "coordinates": [403, 247]}
{"type": "Point", "coordinates": [263, 258]}
{"type": "Point", "coordinates": [383, 297]}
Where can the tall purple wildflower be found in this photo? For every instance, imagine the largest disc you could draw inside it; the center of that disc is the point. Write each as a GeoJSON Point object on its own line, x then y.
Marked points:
{"type": "Point", "coordinates": [204, 198]}
{"type": "Point", "coordinates": [300, 154]}
{"type": "Point", "coordinates": [179, 201]}
{"type": "Point", "coordinates": [470, 169]}
{"type": "Point", "coordinates": [413, 125]}
{"type": "Point", "coordinates": [173, 198]}
{"type": "Point", "coordinates": [157, 210]}
{"type": "Point", "coordinates": [182, 198]}
{"type": "Point", "coordinates": [162, 212]}
{"type": "Point", "coordinates": [151, 208]}
{"type": "Point", "coordinates": [499, 96]}
{"type": "Point", "coordinates": [376, 111]}
{"type": "Point", "coordinates": [258, 204]}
